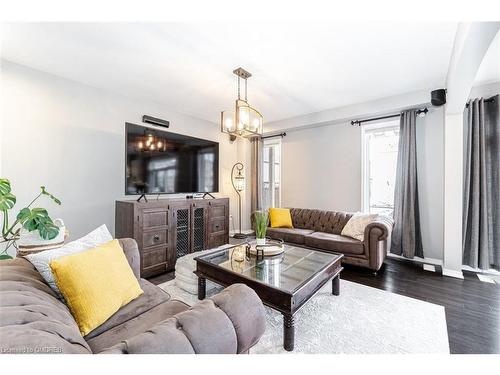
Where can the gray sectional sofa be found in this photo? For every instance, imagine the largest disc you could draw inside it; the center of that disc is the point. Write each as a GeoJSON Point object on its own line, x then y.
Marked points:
{"type": "Point", "coordinates": [322, 230]}
{"type": "Point", "coordinates": [33, 320]}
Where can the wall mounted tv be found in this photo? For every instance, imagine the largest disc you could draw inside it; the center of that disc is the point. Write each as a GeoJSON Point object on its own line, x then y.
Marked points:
{"type": "Point", "coordinates": [160, 162]}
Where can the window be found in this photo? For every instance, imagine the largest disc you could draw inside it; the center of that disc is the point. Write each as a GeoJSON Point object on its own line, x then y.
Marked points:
{"type": "Point", "coordinates": [271, 173]}
{"type": "Point", "coordinates": [162, 174]}
{"type": "Point", "coordinates": [380, 153]}
{"type": "Point", "coordinates": [206, 160]}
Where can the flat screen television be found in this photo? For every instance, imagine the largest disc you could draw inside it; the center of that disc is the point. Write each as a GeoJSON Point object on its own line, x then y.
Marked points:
{"type": "Point", "coordinates": [160, 162]}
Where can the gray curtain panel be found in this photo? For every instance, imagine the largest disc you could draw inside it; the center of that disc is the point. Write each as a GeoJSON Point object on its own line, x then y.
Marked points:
{"type": "Point", "coordinates": [256, 145]}
{"type": "Point", "coordinates": [406, 237]}
{"type": "Point", "coordinates": [481, 211]}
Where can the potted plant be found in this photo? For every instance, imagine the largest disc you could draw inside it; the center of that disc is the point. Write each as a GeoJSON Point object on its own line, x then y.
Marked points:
{"type": "Point", "coordinates": [261, 223]}
{"type": "Point", "coordinates": [28, 219]}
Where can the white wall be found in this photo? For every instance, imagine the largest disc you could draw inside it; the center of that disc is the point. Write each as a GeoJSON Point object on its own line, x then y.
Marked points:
{"type": "Point", "coordinates": [485, 91]}
{"type": "Point", "coordinates": [321, 166]}
{"type": "Point", "coordinates": [70, 138]}
{"type": "Point", "coordinates": [343, 114]}
{"type": "Point", "coordinates": [430, 170]}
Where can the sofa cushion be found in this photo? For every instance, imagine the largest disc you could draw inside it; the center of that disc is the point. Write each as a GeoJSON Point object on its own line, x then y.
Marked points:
{"type": "Point", "coordinates": [319, 221]}
{"type": "Point", "coordinates": [292, 235]}
{"type": "Point", "coordinates": [334, 243]}
{"type": "Point", "coordinates": [135, 326]}
{"type": "Point", "coordinates": [95, 283]}
{"type": "Point", "coordinates": [32, 319]}
{"type": "Point", "coordinates": [152, 297]}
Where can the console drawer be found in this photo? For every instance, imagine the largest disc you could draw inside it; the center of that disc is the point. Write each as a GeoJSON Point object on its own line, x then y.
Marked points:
{"type": "Point", "coordinates": [154, 218]}
{"type": "Point", "coordinates": [217, 239]}
{"type": "Point", "coordinates": [154, 257]}
{"type": "Point", "coordinates": [216, 225]}
{"type": "Point", "coordinates": [154, 238]}
{"type": "Point", "coordinates": [217, 211]}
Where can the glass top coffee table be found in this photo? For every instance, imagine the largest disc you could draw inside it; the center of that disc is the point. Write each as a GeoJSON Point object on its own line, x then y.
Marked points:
{"type": "Point", "coordinates": [284, 282]}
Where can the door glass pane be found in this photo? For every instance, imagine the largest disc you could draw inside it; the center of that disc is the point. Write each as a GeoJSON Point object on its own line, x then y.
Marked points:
{"type": "Point", "coordinates": [266, 152]}
{"type": "Point", "coordinates": [271, 171]}
{"type": "Point", "coordinates": [265, 172]}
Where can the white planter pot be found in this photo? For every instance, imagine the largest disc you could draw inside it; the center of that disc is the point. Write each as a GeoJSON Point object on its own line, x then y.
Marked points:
{"type": "Point", "coordinates": [261, 241]}
{"type": "Point", "coordinates": [31, 239]}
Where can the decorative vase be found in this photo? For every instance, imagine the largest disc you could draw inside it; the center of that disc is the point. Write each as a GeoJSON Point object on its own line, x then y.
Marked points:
{"type": "Point", "coordinates": [261, 241]}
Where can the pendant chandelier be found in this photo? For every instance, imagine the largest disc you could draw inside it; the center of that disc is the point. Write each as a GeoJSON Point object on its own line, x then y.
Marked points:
{"type": "Point", "coordinates": [244, 121]}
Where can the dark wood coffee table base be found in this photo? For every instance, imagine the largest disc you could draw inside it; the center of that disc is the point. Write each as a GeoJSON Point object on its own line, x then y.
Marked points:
{"type": "Point", "coordinates": [288, 318]}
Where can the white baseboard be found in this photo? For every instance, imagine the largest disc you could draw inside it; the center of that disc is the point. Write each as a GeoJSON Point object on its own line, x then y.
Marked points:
{"type": "Point", "coordinates": [453, 273]}
{"type": "Point", "coordinates": [429, 267]}
{"type": "Point", "coordinates": [485, 272]}
{"type": "Point", "coordinates": [485, 279]}
{"type": "Point", "coordinates": [436, 262]}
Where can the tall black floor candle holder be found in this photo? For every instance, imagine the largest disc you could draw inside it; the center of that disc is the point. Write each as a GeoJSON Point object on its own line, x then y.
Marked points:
{"type": "Point", "coordinates": [238, 182]}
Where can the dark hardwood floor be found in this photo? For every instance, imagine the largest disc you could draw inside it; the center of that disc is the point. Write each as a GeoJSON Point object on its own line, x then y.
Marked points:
{"type": "Point", "coordinates": [472, 307]}
{"type": "Point", "coordinates": [163, 278]}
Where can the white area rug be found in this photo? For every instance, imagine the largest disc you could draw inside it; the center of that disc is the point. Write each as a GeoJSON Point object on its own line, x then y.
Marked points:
{"type": "Point", "coordinates": [361, 320]}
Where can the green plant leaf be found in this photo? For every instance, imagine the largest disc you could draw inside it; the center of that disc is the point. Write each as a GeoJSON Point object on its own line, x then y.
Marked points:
{"type": "Point", "coordinates": [38, 219]}
{"type": "Point", "coordinates": [7, 201]}
{"type": "Point", "coordinates": [45, 192]}
{"type": "Point", "coordinates": [4, 186]}
{"type": "Point", "coordinates": [261, 223]}
{"type": "Point", "coordinates": [5, 257]}
{"type": "Point", "coordinates": [40, 211]}
{"type": "Point", "coordinates": [23, 215]}
{"type": "Point", "coordinates": [48, 230]}
{"type": "Point", "coordinates": [34, 218]}
{"type": "Point", "coordinates": [36, 213]}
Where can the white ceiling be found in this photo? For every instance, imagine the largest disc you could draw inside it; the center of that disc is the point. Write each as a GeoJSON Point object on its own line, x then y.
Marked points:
{"type": "Point", "coordinates": [297, 68]}
{"type": "Point", "coordinates": [489, 70]}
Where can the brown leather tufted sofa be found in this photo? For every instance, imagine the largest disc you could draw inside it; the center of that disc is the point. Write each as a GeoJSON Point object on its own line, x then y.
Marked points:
{"type": "Point", "coordinates": [33, 320]}
{"type": "Point", "coordinates": [322, 230]}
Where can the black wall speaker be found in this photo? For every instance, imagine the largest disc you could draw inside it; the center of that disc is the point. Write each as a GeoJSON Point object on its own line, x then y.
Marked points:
{"type": "Point", "coordinates": [155, 121]}
{"type": "Point", "coordinates": [438, 97]}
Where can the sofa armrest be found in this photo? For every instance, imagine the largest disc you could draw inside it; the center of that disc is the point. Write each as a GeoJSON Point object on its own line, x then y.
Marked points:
{"type": "Point", "coordinates": [382, 226]}
{"type": "Point", "coordinates": [377, 239]}
{"type": "Point", "coordinates": [131, 252]}
{"type": "Point", "coordinates": [228, 323]}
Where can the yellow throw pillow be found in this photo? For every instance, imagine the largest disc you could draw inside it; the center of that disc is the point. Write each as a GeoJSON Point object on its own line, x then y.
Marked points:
{"type": "Point", "coordinates": [280, 218]}
{"type": "Point", "coordinates": [95, 283]}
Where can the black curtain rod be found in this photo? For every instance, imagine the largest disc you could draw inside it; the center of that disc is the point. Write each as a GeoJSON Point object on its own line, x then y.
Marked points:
{"type": "Point", "coordinates": [275, 135]}
{"type": "Point", "coordinates": [359, 122]}
{"type": "Point", "coordinates": [490, 100]}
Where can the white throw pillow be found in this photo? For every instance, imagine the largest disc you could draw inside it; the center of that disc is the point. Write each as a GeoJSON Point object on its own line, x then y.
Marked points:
{"type": "Point", "coordinates": [355, 227]}
{"type": "Point", "coordinates": [42, 260]}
